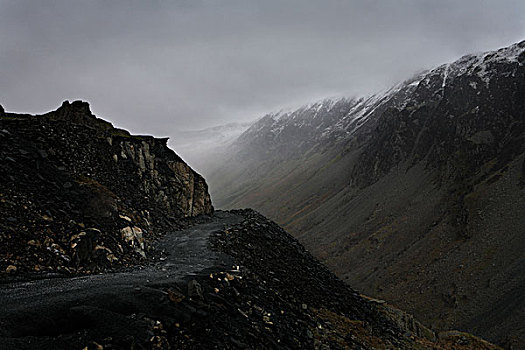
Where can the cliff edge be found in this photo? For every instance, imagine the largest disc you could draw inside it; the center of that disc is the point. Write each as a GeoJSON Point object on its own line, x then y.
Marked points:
{"type": "Point", "coordinates": [79, 195]}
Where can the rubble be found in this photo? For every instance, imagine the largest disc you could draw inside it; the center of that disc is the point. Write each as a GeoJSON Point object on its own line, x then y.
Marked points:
{"type": "Point", "coordinates": [68, 207]}
{"type": "Point", "coordinates": [258, 288]}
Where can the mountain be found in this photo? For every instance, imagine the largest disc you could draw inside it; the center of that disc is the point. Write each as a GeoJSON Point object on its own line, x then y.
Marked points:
{"type": "Point", "coordinates": [110, 241]}
{"type": "Point", "coordinates": [414, 195]}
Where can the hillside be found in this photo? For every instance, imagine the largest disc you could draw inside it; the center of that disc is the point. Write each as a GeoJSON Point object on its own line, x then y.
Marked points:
{"type": "Point", "coordinates": [78, 195]}
{"type": "Point", "coordinates": [109, 241]}
{"type": "Point", "coordinates": [414, 195]}
{"type": "Point", "coordinates": [232, 281]}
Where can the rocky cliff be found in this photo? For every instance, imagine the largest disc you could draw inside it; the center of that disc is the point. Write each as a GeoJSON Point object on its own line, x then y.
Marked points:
{"type": "Point", "coordinates": [79, 195]}
{"type": "Point", "coordinates": [414, 195]}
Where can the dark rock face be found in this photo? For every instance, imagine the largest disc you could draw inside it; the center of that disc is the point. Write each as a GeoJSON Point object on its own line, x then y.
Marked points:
{"type": "Point", "coordinates": [414, 195]}
{"type": "Point", "coordinates": [85, 195]}
{"type": "Point", "coordinates": [476, 113]}
{"type": "Point", "coordinates": [291, 134]}
{"type": "Point", "coordinates": [162, 177]}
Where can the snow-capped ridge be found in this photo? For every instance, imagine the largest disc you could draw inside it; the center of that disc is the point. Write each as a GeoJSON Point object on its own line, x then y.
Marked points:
{"type": "Point", "coordinates": [339, 118]}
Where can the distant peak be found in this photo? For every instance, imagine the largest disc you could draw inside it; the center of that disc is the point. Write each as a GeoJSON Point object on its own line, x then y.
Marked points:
{"type": "Point", "coordinates": [76, 106]}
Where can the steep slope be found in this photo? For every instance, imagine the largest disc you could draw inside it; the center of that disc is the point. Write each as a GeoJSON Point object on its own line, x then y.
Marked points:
{"type": "Point", "coordinates": [79, 195]}
{"type": "Point", "coordinates": [415, 195]}
{"type": "Point", "coordinates": [232, 281]}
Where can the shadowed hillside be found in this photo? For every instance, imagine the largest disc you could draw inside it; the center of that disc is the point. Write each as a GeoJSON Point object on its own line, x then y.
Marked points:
{"type": "Point", "coordinates": [78, 195]}
{"type": "Point", "coordinates": [415, 195]}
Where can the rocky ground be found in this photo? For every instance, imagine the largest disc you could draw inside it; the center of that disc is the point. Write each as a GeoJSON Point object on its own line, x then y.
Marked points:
{"type": "Point", "coordinates": [232, 281]}
{"type": "Point", "coordinates": [80, 196]}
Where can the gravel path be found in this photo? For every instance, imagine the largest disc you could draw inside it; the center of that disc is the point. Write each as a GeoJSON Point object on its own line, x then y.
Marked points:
{"type": "Point", "coordinates": [38, 310]}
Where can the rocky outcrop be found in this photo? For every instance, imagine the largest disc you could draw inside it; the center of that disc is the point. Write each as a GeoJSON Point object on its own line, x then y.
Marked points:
{"type": "Point", "coordinates": [161, 176]}
{"type": "Point", "coordinates": [80, 195]}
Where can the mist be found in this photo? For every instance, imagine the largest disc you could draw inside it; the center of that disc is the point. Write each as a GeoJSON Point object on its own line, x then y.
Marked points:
{"type": "Point", "coordinates": [165, 67]}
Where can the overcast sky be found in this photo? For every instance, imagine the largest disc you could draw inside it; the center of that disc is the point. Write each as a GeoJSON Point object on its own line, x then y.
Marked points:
{"type": "Point", "coordinates": [161, 66]}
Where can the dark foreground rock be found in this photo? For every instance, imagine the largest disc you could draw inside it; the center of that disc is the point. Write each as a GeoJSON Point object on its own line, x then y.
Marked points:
{"type": "Point", "coordinates": [233, 281]}
{"type": "Point", "coordinates": [78, 195]}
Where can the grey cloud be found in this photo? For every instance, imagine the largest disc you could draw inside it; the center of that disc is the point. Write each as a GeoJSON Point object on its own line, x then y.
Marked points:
{"type": "Point", "coordinates": [159, 67]}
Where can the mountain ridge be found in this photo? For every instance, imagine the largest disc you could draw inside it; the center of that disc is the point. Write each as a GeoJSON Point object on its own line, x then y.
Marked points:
{"type": "Point", "coordinates": [421, 179]}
